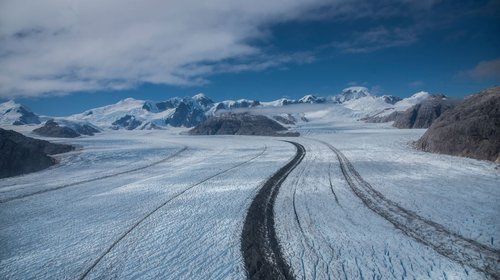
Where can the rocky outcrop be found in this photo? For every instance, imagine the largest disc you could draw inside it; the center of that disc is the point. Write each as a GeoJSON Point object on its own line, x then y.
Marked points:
{"type": "Point", "coordinates": [471, 129]}
{"type": "Point", "coordinates": [241, 124]}
{"type": "Point", "coordinates": [389, 99]}
{"type": "Point", "coordinates": [53, 129]}
{"type": "Point", "coordinates": [285, 119]}
{"type": "Point", "coordinates": [351, 93]}
{"type": "Point", "coordinates": [21, 154]}
{"type": "Point", "coordinates": [421, 115]}
{"type": "Point", "coordinates": [65, 129]}
{"type": "Point", "coordinates": [312, 99]}
{"type": "Point", "coordinates": [26, 117]}
{"type": "Point", "coordinates": [187, 111]}
{"type": "Point", "coordinates": [128, 122]}
{"type": "Point", "coordinates": [86, 129]}
{"type": "Point", "coordinates": [187, 115]}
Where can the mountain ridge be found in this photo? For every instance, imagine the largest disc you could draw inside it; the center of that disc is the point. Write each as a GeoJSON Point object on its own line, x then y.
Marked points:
{"type": "Point", "coordinates": [189, 111]}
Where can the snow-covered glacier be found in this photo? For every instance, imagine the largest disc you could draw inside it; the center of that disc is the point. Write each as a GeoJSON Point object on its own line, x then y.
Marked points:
{"type": "Point", "coordinates": [160, 204]}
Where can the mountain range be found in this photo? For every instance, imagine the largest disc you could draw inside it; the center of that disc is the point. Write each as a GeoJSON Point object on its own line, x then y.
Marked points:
{"type": "Point", "coordinates": [131, 114]}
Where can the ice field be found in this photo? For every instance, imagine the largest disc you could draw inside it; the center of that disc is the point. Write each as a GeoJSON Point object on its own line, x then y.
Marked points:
{"type": "Point", "coordinates": [159, 204]}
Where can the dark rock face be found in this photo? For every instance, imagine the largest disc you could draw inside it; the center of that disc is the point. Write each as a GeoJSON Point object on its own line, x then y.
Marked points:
{"type": "Point", "coordinates": [471, 129]}
{"type": "Point", "coordinates": [382, 119]}
{"type": "Point", "coordinates": [311, 99]}
{"type": "Point", "coordinates": [188, 111]}
{"type": "Point", "coordinates": [422, 115]}
{"type": "Point", "coordinates": [243, 103]}
{"type": "Point", "coordinates": [241, 124]}
{"type": "Point", "coordinates": [27, 117]}
{"type": "Point", "coordinates": [128, 122]}
{"type": "Point", "coordinates": [87, 130]}
{"type": "Point", "coordinates": [391, 99]}
{"type": "Point", "coordinates": [186, 115]}
{"type": "Point", "coordinates": [287, 119]}
{"type": "Point", "coordinates": [350, 94]}
{"type": "Point", "coordinates": [21, 154]}
{"type": "Point", "coordinates": [52, 129]}
{"type": "Point", "coordinates": [203, 101]}
{"type": "Point", "coordinates": [418, 116]}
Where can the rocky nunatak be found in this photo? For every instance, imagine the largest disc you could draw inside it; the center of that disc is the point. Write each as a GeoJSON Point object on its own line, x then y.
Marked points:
{"type": "Point", "coordinates": [241, 124]}
{"type": "Point", "coordinates": [420, 115]}
{"type": "Point", "coordinates": [471, 129]}
{"type": "Point", "coordinates": [65, 129]}
{"type": "Point", "coordinates": [21, 154]}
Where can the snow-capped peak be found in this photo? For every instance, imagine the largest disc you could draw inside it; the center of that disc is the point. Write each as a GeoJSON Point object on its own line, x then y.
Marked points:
{"type": "Point", "coordinates": [356, 90]}
{"type": "Point", "coordinates": [128, 101]}
{"type": "Point", "coordinates": [13, 113]}
{"type": "Point", "coordinates": [416, 98]}
{"type": "Point", "coordinates": [199, 96]}
{"type": "Point", "coordinates": [421, 95]}
{"type": "Point", "coordinates": [351, 93]}
{"type": "Point", "coordinates": [9, 104]}
{"type": "Point", "coordinates": [279, 102]}
{"type": "Point", "coordinates": [311, 99]}
{"type": "Point", "coordinates": [203, 100]}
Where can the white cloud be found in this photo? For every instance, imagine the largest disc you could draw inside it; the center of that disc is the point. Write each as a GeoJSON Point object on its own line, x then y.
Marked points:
{"type": "Point", "coordinates": [376, 39]}
{"type": "Point", "coordinates": [416, 84]}
{"type": "Point", "coordinates": [60, 46]}
{"type": "Point", "coordinates": [485, 70]}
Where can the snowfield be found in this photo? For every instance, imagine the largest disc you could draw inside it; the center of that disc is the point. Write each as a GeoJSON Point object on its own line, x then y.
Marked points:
{"type": "Point", "coordinates": [157, 204]}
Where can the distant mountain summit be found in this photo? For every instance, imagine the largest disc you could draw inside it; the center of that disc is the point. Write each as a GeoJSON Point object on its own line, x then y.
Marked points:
{"type": "Point", "coordinates": [132, 114]}
{"type": "Point", "coordinates": [12, 113]}
{"type": "Point", "coordinates": [186, 111]}
{"type": "Point", "coordinates": [351, 93]}
{"type": "Point", "coordinates": [307, 99]}
{"type": "Point", "coordinates": [312, 99]}
{"type": "Point", "coordinates": [176, 112]}
{"type": "Point", "coordinates": [138, 114]}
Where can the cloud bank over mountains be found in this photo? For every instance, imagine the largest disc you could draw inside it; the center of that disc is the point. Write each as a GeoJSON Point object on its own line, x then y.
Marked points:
{"type": "Point", "coordinates": [56, 47]}
{"type": "Point", "coordinates": [59, 46]}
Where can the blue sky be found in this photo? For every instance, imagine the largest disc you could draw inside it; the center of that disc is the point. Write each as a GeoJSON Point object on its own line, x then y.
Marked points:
{"type": "Point", "coordinates": [259, 51]}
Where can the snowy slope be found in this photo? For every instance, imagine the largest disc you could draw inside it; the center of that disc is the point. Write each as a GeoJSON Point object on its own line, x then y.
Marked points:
{"type": "Point", "coordinates": [195, 235]}
{"type": "Point", "coordinates": [378, 105]}
{"type": "Point", "coordinates": [148, 114]}
{"type": "Point", "coordinates": [367, 105]}
{"type": "Point", "coordinates": [12, 113]}
{"type": "Point", "coordinates": [351, 93]}
{"type": "Point", "coordinates": [415, 99]}
{"type": "Point", "coordinates": [105, 116]}
{"type": "Point", "coordinates": [279, 102]}
{"type": "Point", "coordinates": [140, 205]}
{"type": "Point", "coordinates": [130, 114]}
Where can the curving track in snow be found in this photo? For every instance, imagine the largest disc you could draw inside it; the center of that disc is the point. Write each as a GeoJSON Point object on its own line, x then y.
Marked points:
{"type": "Point", "coordinates": [326, 231]}
{"type": "Point", "coordinates": [61, 234]}
{"type": "Point", "coordinates": [184, 219]}
{"type": "Point", "coordinates": [141, 168]}
{"type": "Point", "coordinates": [153, 211]}
{"type": "Point", "coordinates": [449, 244]}
{"type": "Point", "coordinates": [198, 234]}
{"type": "Point", "coordinates": [259, 245]}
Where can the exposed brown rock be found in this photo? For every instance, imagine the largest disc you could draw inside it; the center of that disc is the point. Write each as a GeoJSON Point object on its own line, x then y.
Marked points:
{"type": "Point", "coordinates": [241, 124]}
{"type": "Point", "coordinates": [471, 129]}
{"type": "Point", "coordinates": [21, 154]}
{"type": "Point", "coordinates": [418, 116]}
